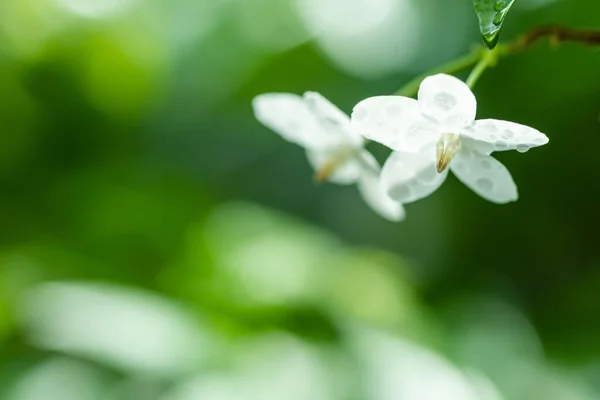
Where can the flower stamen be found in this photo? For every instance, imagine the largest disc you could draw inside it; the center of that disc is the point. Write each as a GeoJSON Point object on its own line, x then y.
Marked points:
{"type": "Point", "coordinates": [327, 170]}
{"type": "Point", "coordinates": [447, 147]}
{"type": "Point", "coordinates": [324, 173]}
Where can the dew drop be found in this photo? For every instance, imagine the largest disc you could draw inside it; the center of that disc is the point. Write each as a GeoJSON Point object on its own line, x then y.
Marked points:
{"type": "Point", "coordinates": [444, 101]}
{"type": "Point", "coordinates": [501, 145]}
{"type": "Point", "coordinates": [333, 122]}
{"type": "Point", "coordinates": [485, 184]}
{"type": "Point", "coordinates": [491, 17]}
{"type": "Point", "coordinates": [459, 166]}
{"type": "Point", "coordinates": [394, 111]}
{"type": "Point", "coordinates": [498, 18]}
{"type": "Point", "coordinates": [400, 192]}
{"type": "Point", "coordinates": [491, 39]}
{"type": "Point", "coordinates": [522, 148]}
{"type": "Point", "coordinates": [507, 134]}
{"type": "Point", "coordinates": [488, 127]}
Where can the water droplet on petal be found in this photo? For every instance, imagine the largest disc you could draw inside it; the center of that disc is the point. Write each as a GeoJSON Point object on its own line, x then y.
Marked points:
{"type": "Point", "coordinates": [332, 122]}
{"type": "Point", "coordinates": [522, 148]}
{"type": "Point", "coordinates": [501, 145]}
{"type": "Point", "coordinates": [459, 166]}
{"type": "Point", "coordinates": [488, 127]}
{"type": "Point", "coordinates": [499, 6]}
{"type": "Point", "coordinates": [394, 111]}
{"type": "Point", "coordinates": [506, 134]}
{"type": "Point", "coordinates": [444, 101]}
{"type": "Point", "coordinates": [485, 184]}
{"type": "Point", "coordinates": [399, 192]}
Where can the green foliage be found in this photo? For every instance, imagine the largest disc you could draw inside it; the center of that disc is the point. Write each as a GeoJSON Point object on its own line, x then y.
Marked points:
{"type": "Point", "coordinates": [491, 14]}
{"type": "Point", "coordinates": [130, 157]}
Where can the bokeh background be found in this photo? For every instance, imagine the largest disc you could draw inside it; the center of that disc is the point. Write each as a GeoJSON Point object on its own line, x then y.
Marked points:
{"type": "Point", "coordinates": [157, 242]}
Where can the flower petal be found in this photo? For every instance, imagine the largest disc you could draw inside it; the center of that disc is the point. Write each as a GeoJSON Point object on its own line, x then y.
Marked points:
{"type": "Point", "coordinates": [395, 122]}
{"type": "Point", "coordinates": [332, 119]}
{"type": "Point", "coordinates": [408, 177]}
{"type": "Point", "coordinates": [489, 135]}
{"type": "Point", "coordinates": [372, 191]}
{"type": "Point", "coordinates": [447, 100]}
{"type": "Point", "coordinates": [289, 115]}
{"type": "Point", "coordinates": [485, 175]}
{"type": "Point", "coordinates": [342, 169]}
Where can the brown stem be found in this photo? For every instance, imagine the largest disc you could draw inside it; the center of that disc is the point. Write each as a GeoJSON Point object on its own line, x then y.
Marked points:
{"type": "Point", "coordinates": [556, 33]}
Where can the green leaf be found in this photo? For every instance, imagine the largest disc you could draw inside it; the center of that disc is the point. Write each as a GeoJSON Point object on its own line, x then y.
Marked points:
{"type": "Point", "coordinates": [491, 14]}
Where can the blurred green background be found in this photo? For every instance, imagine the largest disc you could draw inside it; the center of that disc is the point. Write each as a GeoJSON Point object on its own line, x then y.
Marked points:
{"type": "Point", "coordinates": [157, 242]}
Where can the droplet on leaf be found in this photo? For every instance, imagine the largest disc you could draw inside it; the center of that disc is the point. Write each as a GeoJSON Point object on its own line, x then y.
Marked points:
{"type": "Point", "coordinates": [491, 16]}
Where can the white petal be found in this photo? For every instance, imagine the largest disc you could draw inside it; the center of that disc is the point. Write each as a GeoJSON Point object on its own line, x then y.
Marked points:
{"type": "Point", "coordinates": [344, 168]}
{"type": "Point", "coordinates": [447, 100]}
{"type": "Point", "coordinates": [289, 115]}
{"type": "Point", "coordinates": [131, 330]}
{"type": "Point", "coordinates": [395, 122]}
{"type": "Point", "coordinates": [488, 135]}
{"type": "Point", "coordinates": [332, 119]}
{"type": "Point", "coordinates": [487, 176]}
{"type": "Point", "coordinates": [408, 177]}
{"type": "Point", "coordinates": [373, 193]}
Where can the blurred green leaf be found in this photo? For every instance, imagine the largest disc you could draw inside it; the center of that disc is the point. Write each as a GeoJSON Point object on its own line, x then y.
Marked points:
{"type": "Point", "coordinates": [491, 14]}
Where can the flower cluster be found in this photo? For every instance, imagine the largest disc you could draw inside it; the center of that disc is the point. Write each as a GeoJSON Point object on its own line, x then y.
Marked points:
{"type": "Point", "coordinates": [429, 137]}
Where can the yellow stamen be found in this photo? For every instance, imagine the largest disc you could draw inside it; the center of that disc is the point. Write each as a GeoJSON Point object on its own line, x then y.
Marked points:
{"type": "Point", "coordinates": [447, 147]}
{"type": "Point", "coordinates": [326, 171]}
{"type": "Point", "coordinates": [337, 159]}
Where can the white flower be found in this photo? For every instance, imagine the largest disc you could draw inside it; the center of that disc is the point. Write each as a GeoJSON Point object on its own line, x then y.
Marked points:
{"type": "Point", "coordinates": [439, 131]}
{"type": "Point", "coordinates": [334, 148]}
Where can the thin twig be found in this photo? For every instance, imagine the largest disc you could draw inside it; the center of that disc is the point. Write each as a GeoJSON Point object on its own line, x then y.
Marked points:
{"type": "Point", "coordinates": [557, 33]}
{"type": "Point", "coordinates": [482, 59]}
{"type": "Point", "coordinates": [554, 32]}
{"type": "Point", "coordinates": [488, 59]}
{"type": "Point", "coordinates": [452, 67]}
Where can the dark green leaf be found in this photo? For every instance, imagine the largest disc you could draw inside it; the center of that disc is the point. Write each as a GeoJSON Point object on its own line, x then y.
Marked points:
{"type": "Point", "coordinates": [491, 14]}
